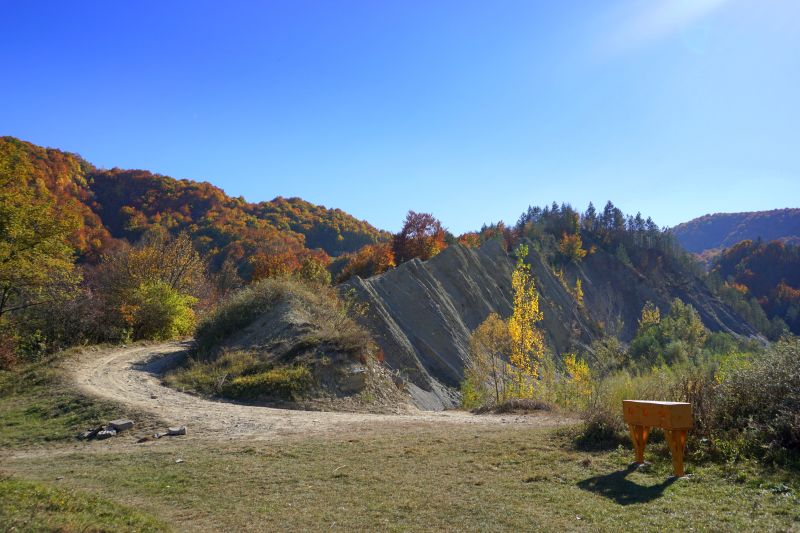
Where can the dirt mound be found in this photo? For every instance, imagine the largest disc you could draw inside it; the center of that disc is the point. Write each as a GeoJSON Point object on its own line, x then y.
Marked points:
{"type": "Point", "coordinates": [285, 343]}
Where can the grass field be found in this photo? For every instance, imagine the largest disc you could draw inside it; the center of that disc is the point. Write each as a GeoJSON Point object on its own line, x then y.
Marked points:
{"type": "Point", "coordinates": [27, 506]}
{"type": "Point", "coordinates": [427, 478]}
{"type": "Point", "coordinates": [38, 406]}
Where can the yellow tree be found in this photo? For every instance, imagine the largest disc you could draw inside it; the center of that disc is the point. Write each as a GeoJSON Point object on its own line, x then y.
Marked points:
{"type": "Point", "coordinates": [489, 346]}
{"type": "Point", "coordinates": [151, 287]}
{"type": "Point", "coordinates": [36, 259]}
{"type": "Point", "coordinates": [651, 316]}
{"type": "Point", "coordinates": [571, 247]}
{"type": "Point", "coordinates": [580, 378]}
{"type": "Point", "coordinates": [578, 293]}
{"type": "Point", "coordinates": [527, 341]}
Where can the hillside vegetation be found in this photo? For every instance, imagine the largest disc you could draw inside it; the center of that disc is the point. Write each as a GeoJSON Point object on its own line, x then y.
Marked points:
{"type": "Point", "coordinates": [124, 204]}
{"type": "Point", "coordinates": [593, 273]}
{"type": "Point", "coordinates": [710, 234]}
{"type": "Point", "coordinates": [90, 255]}
{"type": "Point", "coordinates": [765, 274]}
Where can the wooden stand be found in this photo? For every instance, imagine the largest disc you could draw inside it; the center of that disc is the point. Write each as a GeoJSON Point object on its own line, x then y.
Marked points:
{"type": "Point", "coordinates": [674, 417]}
{"type": "Point", "coordinates": [676, 439]}
{"type": "Point", "coordinates": [639, 438]}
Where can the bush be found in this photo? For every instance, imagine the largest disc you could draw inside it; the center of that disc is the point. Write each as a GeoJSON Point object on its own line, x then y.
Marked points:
{"type": "Point", "coordinates": [158, 312]}
{"type": "Point", "coordinates": [685, 383]}
{"type": "Point", "coordinates": [284, 383]}
{"type": "Point", "coordinates": [210, 377]}
{"type": "Point", "coordinates": [760, 401]}
{"type": "Point", "coordinates": [472, 396]}
{"type": "Point", "coordinates": [515, 405]}
{"type": "Point", "coordinates": [240, 375]}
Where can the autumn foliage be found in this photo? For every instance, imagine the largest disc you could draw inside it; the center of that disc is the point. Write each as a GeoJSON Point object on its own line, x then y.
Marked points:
{"type": "Point", "coordinates": [422, 237]}
{"type": "Point", "coordinates": [371, 260]}
{"type": "Point", "coordinates": [769, 272]}
{"type": "Point", "coordinates": [571, 247]}
{"type": "Point", "coordinates": [505, 355]}
{"type": "Point", "coordinates": [527, 340]}
{"type": "Point", "coordinates": [89, 255]}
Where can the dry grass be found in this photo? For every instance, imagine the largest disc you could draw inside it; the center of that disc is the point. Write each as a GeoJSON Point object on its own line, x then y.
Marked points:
{"type": "Point", "coordinates": [426, 478]}
{"type": "Point", "coordinates": [419, 477]}
{"type": "Point", "coordinates": [28, 506]}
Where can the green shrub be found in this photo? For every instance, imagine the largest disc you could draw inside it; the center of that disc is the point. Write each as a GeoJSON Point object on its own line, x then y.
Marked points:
{"type": "Point", "coordinates": [685, 383]}
{"type": "Point", "coordinates": [209, 377]}
{"type": "Point", "coordinates": [240, 375]}
{"type": "Point", "coordinates": [760, 401]}
{"type": "Point", "coordinates": [158, 312]}
{"type": "Point", "coordinates": [472, 397]}
{"type": "Point", "coordinates": [284, 383]}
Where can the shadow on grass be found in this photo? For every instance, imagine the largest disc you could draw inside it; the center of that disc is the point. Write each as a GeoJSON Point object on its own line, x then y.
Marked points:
{"type": "Point", "coordinates": [616, 486]}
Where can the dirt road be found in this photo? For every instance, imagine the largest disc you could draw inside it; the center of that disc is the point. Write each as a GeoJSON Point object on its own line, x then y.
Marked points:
{"type": "Point", "coordinates": [130, 376]}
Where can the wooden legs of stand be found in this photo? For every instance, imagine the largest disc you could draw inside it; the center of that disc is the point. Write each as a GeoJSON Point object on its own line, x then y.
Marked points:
{"type": "Point", "coordinates": [639, 438]}
{"type": "Point", "coordinates": [676, 439]}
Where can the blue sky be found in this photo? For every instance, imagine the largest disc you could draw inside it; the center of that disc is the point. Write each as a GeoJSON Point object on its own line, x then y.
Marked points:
{"type": "Point", "coordinates": [471, 110]}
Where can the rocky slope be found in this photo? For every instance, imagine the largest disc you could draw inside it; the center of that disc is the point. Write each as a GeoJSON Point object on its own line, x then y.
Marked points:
{"type": "Point", "coordinates": [723, 230]}
{"type": "Point", "coordinates": [421, 314]}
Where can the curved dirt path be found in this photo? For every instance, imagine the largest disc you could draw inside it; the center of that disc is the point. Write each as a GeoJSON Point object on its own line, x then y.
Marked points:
{"type": "Point", "coordinates": [130, 376]}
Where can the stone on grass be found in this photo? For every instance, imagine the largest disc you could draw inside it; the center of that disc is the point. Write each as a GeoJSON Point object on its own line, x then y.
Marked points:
{"type": "Point", "coordinates": [121, 424]}
{"type": "Point", "coordinates": [105, 434]}
{"type": "Point", "coordinates": [90, 433]}
{"type": "Point", "coordinates": [177, 430]}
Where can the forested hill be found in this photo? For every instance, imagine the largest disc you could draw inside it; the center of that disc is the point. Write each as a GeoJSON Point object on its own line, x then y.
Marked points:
{"type": "Point", "coordinates": [765, 272]}
{"type": "Point", "coordinates": [123, 204]}
{"type": "Point", "coordinates": [723, 230]}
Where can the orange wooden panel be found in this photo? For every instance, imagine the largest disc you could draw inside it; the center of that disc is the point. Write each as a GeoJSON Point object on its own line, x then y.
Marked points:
{"type": "Point", "coordinates": [667, 415]}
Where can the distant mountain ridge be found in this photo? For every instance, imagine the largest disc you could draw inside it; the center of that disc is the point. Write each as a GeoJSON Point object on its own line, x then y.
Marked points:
{"type": "Point", "coordinates": [723, 230]}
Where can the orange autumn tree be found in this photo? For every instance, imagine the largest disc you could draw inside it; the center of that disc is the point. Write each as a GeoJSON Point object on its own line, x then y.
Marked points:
{"type": "Point", "coordinates": [470, 240]}
{"type": "Point", "coordinates": [422, 236]}
{"type": "Point", "coordinates": [571, 247]}
{"type": "Point", "coordinates": [371, 260]}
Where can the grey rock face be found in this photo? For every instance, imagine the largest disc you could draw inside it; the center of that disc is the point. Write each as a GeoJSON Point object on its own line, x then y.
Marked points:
{"type": "Point", "coordinates": [422, 313]}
